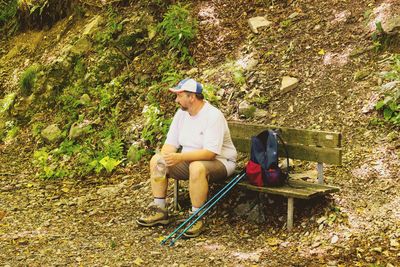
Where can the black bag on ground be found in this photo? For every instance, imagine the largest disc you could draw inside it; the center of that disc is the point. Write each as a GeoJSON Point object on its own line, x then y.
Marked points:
{"type": "Point", "coordinates": [263, 168]}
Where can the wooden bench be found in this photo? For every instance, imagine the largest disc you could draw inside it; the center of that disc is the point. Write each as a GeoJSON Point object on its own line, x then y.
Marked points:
{"type": "Point", "coordinates": [308, 145]}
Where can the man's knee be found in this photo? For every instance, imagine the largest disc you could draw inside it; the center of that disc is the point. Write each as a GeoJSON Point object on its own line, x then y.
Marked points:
{"type": "Point", "coordinates": [154, 159]}
{"type": "Point", "coordinates": [197, 170]}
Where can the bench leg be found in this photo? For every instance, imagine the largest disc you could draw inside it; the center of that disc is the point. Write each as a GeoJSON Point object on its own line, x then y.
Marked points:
{"type": "Point", "coordinates": [290, 208]}
{"type": "Point", "coordinates": [320, 168]}
{"type": "Point", "coordinates": [176, 190]}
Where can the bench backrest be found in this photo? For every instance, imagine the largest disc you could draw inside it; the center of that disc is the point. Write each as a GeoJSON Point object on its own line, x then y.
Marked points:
{"type": "Point", "coordinates": [309, 145]}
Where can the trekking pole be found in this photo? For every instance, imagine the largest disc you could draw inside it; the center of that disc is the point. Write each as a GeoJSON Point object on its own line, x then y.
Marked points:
{"type": "Point", "coordinates": [206, 208]}
{"type": "Point", "coordinates": [204, 205]}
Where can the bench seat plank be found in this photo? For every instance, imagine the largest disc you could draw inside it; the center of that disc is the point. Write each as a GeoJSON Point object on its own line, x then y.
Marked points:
{"type": "Point", "coordinates": [295, 189]}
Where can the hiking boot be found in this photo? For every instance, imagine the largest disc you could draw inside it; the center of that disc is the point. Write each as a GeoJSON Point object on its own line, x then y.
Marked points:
{"type": "Point", "coordinates": [155, 215]}
{"type": "Point", "coordinates": [196, 228]}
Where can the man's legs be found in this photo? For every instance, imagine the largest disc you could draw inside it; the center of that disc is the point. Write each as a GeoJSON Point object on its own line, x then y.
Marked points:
{"type": "Point", "coordinates": [158, 186]}
{"type": "Point", "coordinates": [157, 212]}
{"type": "Point", "coordinates": [198, 184]}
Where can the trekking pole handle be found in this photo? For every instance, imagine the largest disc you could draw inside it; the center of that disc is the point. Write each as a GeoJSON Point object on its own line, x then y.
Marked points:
{"type": "Point", "coordinates": [241, 175]}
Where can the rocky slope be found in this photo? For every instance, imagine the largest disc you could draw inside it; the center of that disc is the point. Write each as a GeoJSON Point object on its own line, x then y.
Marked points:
{"type": "Point", "coordinates": [88, 218]}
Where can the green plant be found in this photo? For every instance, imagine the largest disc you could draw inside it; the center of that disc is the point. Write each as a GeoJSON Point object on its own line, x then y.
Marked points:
{"type": "Point", "coordinates": [109, 163]}
{"type": "Point", "coordinates": [178, 29]}
{"type": "Point", "coordinates": [155, 126]}
{"type": "Point", "coordinates": [113, 27]}
{"type": "Point", "coordinates": [7, 102]}
{"type": "Point", "coordinates": [380, 39]}
{"type": "Point", "coordinates": [286, 23]}
{"type": "Point", "coordinates": [8, 10]}
{"type": "Point", "coordinates": [210, 93]}
{"type": "Point", "coordinates": [28, 79]}
{"type": "Point", "coordinates": [390, 104]}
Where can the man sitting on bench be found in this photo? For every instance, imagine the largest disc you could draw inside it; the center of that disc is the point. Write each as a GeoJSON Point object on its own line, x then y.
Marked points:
{"type": "Point", "coordinates": [207, 154]}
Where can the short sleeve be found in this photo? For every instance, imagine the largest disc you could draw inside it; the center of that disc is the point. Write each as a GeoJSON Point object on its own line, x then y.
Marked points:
{"type": "Point", "coordinates": [214, 134]}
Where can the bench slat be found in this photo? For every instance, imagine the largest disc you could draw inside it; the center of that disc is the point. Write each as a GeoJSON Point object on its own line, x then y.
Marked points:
{"type": "Point", "coordinates": [296, 189]}
{"type": "Point", "coordinates": [289, 135]}
{"type": "Point", "coordinates": [296, 151]}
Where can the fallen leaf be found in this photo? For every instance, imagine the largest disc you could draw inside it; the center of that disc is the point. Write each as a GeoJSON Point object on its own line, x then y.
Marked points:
{"type": "Point", "coordinates": [138, 261]}
{"type": "Point", "coordinates": [322, 219]}
{"type": "Point", "coordinates": [273, 241]}
{"type": "Point", "coordinates": [2, 214]}
{"type": "Point", "coordinates": [65, 189]}
{"type": "Point", "coordinates": [321, 52]}
{"type": "Point", "coordinates": [377, 249]}
{"type": "Point", "coordinates": [159, 239]}
{"type": "Point", "coordinates": [393, 242]}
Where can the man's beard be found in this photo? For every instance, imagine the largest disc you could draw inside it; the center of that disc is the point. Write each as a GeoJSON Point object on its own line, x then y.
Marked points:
{"type": "Point", "coordinates": [183, 108]}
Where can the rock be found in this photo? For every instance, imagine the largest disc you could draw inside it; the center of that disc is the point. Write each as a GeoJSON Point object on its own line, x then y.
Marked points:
{"type": "Point", "coordinates": [288, 84]}
{"type": "Point", "coordinates": [7, 102]}
{"type": "Point", "coordinates": [82, 46]}
{"type": "Point", "coordinates": [256, 215]}
{"type": "Point", "coordinates": [392, 26]}
{"type": "Point", "coordinates": [260, 113]}
{"type": "Point", "coordinates": [334, 239]}
{"type": "Point", "coordinates": [80, 129]}
{"type": "Point", "coordinates": [243, 208]}
{"type": "Point", "coordinates": [51, 133]}
{"type": "Point", "coordinates": [361, 74]}
{"type": "Point", "coordinates": [390, 85]}
{"type": "Point", "coordinates": [93, 25]}
{"type": "Point", "coordinates": [247, 110]}
{"type": "Point", "coordinates": [258, 22]}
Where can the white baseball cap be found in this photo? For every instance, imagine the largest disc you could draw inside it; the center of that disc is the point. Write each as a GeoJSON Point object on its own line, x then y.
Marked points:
{"type": "Point", "coordinates": [187, 85]}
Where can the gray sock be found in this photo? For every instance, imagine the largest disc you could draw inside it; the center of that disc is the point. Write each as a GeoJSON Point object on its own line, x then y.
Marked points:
{"type": "Point", "coordinates": [160, 202]}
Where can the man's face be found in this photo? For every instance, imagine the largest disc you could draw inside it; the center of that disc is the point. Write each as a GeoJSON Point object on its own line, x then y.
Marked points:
{"type": "Point", "coordinates": [184, 100]}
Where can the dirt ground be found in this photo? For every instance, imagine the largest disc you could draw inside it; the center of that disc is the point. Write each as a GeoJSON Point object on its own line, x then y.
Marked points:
{"type": "Point", "coordinates": [91, 222]}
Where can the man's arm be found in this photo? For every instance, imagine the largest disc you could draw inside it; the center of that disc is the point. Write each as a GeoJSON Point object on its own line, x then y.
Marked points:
{"type": "Point", "coordinates": [175, 158]}
{"type": "Point", "coordinates": [167, 149]}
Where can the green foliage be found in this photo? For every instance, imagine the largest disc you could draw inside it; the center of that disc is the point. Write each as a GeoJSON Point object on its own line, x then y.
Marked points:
{"type": "Point", "coordinates": [113, 28]}
{"type": "Point", "coordinates": [286, 23]}
{"type": "Point", "coordinates": [28, 79]}
{"type": "Point", "coordinates": [380, 38]}
{"type": "Point", "coordinates": [7, 102]}
{"type": "Point", "coordinates": [236, 72]}
{"type": "Point", "coordinates": [238, 76]}
{"type": "Point", "coordinates": [8, 131]}
{"type": "Point", "coordinates": [210, 93]}
{"type": "Point", "coordinates": [8, 10]}
{"type": "Point", "coordinates": [109, 163]}
{"type": "Point", "coordinates": [135, 153]}
{"type": "Point", "coordinates": [155, 125]}
{"type": "Point", "coordinates": [390, 104]}
{"type": "Point", "coordinates": [178, 29]}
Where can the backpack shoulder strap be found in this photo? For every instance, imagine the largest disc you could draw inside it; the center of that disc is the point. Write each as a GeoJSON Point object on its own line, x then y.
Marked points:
{"type": "Point", "coordinates": [272, 149]}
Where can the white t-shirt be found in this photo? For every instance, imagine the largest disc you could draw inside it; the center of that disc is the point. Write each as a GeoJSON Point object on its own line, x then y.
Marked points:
{"type": "Point", "coordinates": [208, 129]}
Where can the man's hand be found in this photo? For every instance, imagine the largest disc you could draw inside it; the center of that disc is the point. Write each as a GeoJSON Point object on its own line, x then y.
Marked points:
{"type": "Point", "coordinates": [172, 158]}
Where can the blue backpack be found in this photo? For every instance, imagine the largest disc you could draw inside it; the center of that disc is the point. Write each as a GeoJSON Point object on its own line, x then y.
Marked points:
{"type": "Point", "coordinates": [263, 168]}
